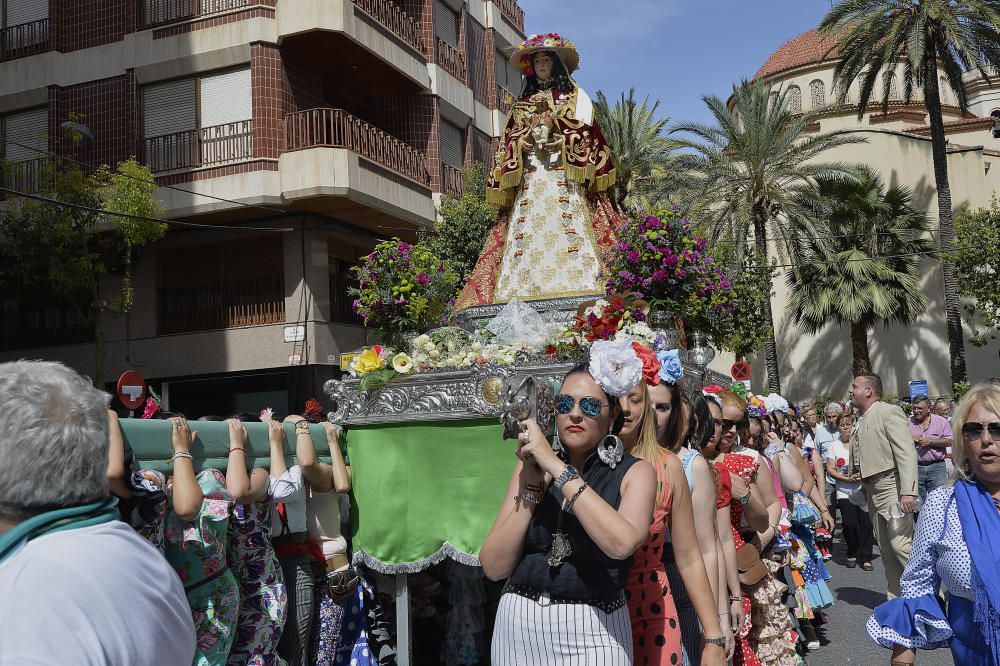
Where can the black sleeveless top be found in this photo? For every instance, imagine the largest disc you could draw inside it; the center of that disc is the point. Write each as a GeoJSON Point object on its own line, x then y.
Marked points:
{"type": "Point", "coordinates": [588, 573]}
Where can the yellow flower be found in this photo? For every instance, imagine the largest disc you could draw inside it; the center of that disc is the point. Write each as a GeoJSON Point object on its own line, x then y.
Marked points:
{"type": "Point", "coordinates": [369, 360]}
{"type": "Point", "coordinates": [402, 363]}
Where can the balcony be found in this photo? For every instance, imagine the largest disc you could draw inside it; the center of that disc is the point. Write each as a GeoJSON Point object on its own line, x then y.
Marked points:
{"type": "Point", "coordinates": [513, 12]}
{"type": "Point", "coordinates": [163, 12]}
{"type": "Point", "coordinates": [19, 41]}
{"type": "Point", "coordinates": [24, 176]}
{"type": "Point", "coordinates": [223, 304]}
{"type": "Point", "coordinates": [192, 149]}
{"type": "Point", "coordinates": [452, 181]}
{"type": "Point", "coordinates": [450, 59]}
{"type": "Point", "coordinates": [336, 128]}
{"type": "Point", "coordinates": [391, 16]}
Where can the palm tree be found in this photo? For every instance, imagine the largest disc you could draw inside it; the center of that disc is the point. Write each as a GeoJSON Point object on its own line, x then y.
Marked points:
{"type": "Point", "coordinates": [750, 170]}
{"type": "Point", "coordinates": [643, 154]}
{"type": "Point", "coordinates": [925, 36]}
{"type": "Point", "coordinates": [863, 268]}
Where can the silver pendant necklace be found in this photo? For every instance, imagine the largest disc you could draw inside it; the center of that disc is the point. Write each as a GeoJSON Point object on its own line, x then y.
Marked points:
{"type": "Point", "coordinates": [561, 548]}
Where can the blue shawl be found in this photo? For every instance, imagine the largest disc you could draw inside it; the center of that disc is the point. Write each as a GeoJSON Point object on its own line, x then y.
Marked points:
{"type": "Point", "coordinates": [73, 517]}
{"type": "Point", "coordinates": [981, 529]}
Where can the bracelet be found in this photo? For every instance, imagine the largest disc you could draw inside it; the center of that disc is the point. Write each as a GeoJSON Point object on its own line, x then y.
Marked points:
{"type": "Point", "coordinates": [238, 448]}
{"type": "Point", "coordinates": [568, 506]}
{"type": "Point", "coordinates": [733, 598]}
{"type": "Point", "coordinates": [527, 497]}
{"type": "Point", "coordinates": [181, 454]}
{"type": "Point", "coordinates": [301, 422]}
{"type": "Point", "coordinates": [746, 498]}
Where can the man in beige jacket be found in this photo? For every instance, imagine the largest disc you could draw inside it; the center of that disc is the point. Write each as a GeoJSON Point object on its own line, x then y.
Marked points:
{"type": "Point", "coordinates": [882, 450]}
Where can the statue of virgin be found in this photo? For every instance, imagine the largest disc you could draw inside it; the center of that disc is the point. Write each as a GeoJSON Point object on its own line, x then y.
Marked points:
{"type": "Point", "coordinates": [550, 178]}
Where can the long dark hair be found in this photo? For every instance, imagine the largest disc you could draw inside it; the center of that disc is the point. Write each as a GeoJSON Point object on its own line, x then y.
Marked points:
{"type": "Point", "coordinates": [562, 81]}
{"type": "Point", "coordinates": [672, 433]}
{"type": "Point", "coordinates": [584, 369]}
{"type": "Point", "coordinates": [701, 427]}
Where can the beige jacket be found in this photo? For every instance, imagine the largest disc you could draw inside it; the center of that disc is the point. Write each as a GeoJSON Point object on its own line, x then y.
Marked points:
{"type": "Point", "coordinates": [882, 442]}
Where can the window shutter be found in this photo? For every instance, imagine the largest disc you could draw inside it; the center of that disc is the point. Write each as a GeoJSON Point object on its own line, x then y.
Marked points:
{"type": "Point", "coordinates": [26, 11]}
{"type": "Point", "coordinates": [226, 98]}
{"type": "Point", "coordinates": [452, 145]}
{"type": "Point", "coordinates": [169, 107]}
{"type": "Point", "coordinates": [30, 128]}
{"type": "Point", "coordinates": [445, 23]}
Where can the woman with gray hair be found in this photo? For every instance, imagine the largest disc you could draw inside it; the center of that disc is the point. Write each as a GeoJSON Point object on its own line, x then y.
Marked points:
{"type": "Point", "coordinates": [955, 545]}
{"type": "Point", "coordinates": [99, 593]}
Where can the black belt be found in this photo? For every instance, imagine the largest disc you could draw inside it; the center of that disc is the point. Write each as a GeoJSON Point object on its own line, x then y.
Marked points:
{"type": "Point", "coordinates": [205, 581]}
{"type": "Point", "coordinates": [925, 463]}
{"type": "Point", "coordinates": [607, 603]}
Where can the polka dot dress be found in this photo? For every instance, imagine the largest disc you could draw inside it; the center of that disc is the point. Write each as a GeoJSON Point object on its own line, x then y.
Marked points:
{"type": "Point", "coordinates": [656, 634]}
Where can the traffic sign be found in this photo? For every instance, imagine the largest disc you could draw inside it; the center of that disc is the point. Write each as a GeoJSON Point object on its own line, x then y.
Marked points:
{"type": "Point", "coordinates": [131, 389]}
{"type": "Point", "coordinates": [740, 370]}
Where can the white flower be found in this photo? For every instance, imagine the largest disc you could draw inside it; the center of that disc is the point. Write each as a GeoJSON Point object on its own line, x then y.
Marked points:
{"type": "Point", "coordinates": [639, 332]}
{"type": "Point", "coordinates": [402, 363]}
{"type": "Point", "coordinates": [615, 366]}
{"type": "Point", "coordinates": [775, 403]}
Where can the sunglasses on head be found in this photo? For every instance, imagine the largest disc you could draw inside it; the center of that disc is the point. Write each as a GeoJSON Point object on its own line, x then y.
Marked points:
{"type": "Point", "coordinates": [974, 430]}
{"type": "Point", "coordinates": [589, 405]}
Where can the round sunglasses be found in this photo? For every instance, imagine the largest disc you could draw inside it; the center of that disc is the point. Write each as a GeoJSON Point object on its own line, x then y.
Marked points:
{"type": "Point", "coordinates": [589, 405]}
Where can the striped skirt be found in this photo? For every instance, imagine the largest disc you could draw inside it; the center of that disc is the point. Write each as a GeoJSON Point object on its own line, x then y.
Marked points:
{"type": "Point", "coordinates": [527, 633]}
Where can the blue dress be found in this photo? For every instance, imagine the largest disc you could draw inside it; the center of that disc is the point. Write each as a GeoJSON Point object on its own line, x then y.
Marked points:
{"type": "Point", "coordinates": [917, 619]}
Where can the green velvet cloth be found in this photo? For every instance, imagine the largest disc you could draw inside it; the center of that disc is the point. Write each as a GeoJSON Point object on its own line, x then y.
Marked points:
{"type": "Point", "coordinates": [426, 491]}
{"type": "Point", "coordinates": [150, 440]}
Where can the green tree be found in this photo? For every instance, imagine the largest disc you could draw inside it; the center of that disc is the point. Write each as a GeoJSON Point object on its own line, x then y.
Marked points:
{"type": "Point", "coordinates": [925, 36]}
{"type": "Point", "coordinates": [460, 233]}
{"type": "Point", "coordinates": [749, 172]}
{"type": "Point", "coordinates": [977, 258]}
{"type": "Point", "coordinates": [745, 332]}
{"type": "Point", "coordinates": [68, 247]}
{"type": "Point", "coordinates": [862, 268]}
{"type": "Point", "coordinates": [643, 154]}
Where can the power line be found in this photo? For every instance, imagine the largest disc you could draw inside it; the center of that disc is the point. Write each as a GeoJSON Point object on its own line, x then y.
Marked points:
{"type": "Point", "coordinates": [748, 240]}
{"type": "Point", "coordinates": [143, 180]}
{"type": "Point", "coordinates": [871, 258]}
{"type": "Point", "coordinates": [67, 204]}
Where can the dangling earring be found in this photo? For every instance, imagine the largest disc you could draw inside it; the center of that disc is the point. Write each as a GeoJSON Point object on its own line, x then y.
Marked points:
{"type": "Point", "coordinates": [557, 445]}
{"type": "Point", "coordinates": [611, 450]}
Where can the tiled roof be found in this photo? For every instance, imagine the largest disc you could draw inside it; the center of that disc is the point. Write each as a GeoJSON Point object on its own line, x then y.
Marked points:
{"type": "Point", "coordinates": [962, 125]}
{"type": "Point", "coordinates": [806, 49]}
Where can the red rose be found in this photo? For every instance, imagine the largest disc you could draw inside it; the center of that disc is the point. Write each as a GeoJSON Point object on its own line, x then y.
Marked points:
{"type": "Point", "coordinates": [650, 364]}
{"type": "Point", "coordinates": [841, 462]}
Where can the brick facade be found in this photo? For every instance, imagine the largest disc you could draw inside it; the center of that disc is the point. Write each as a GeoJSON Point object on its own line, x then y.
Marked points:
{"type": "Point", "coordinates": [81, 24]}
{"type": "Point", "coordinates": [108, 108]}
{"type": "Point", "coordinates": [267, 75]}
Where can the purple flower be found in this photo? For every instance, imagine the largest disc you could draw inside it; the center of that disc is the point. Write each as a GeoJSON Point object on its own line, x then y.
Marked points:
{"type": "Point", "coordinates": [400, 301]}
{"type": "Point", "coordinates": [632, 257]}
{"type": "Point", "coordinates": [725, 284]}
{"type": "Point", "coordinates": [356, 304]}
{"type": "Point", "coordinates": [639, 314]}
{"type": "Point", "coordinates": [623, 246]}
{"type": "Point", "coordinates": [681, 274]}
{"type": "Point", "coordinates": [670, 260]}
{"type": "Point", "coordinates": [422, 278]}
{"type": "Point", "coordinates": [659, 275]}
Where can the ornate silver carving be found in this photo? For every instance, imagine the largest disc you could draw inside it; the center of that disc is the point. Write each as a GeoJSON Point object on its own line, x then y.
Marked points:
{"type": "Point", "coordinates": [559, 310]}
{"type": "Point", "coordinates": [456, 394]}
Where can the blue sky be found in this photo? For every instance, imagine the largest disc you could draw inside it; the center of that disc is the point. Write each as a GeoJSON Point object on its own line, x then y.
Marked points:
{"type": "Point", "coordinates": [672, 50]}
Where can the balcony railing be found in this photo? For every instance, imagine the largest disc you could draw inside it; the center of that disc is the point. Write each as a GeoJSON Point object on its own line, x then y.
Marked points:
{"type": "Point", "coordinates": [24, 176]}
{"type": "Point", "coordinates": [513, 12]}
{"type": "Point", "coordinates": [45, 326]}
{"type": "Point", "coordinates": [452, 180]}
{"type": "Point", "coordinates": [223, 304]}
{"type": "Point", "coordinates": [25, 39]}
{"type": "Point", "coordinates": [208, 146]}
{"type": "Point", "coordinates": [336, 128]}
{"type": "Point", "coordinates": [392, 16]}
{"type": "Point", "coordinates": [162, 12]}
{"type": "Point", "coordinates": [504, 99]}
{"type": "Point", "coordinates": [451, 59]}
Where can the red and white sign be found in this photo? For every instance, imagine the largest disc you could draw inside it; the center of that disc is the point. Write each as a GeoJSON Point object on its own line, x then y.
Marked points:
{"type": "Point", "coordinates": [740, 370]}
{"type": "Point", "coordinates": [131, 389]}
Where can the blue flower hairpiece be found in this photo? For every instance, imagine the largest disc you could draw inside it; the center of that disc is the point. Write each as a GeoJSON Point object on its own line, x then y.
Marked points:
{"type": "Point", "coordinates": [671, 369]}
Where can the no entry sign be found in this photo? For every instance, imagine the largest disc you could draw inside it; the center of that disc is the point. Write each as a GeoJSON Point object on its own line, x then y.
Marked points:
{"type": "Point", "coordinates": [131, 389]}
{"type": "Point", "coordinates": [740, 370]}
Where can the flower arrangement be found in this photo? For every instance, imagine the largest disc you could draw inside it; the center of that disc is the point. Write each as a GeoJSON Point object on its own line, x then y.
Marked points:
{"type": "Point", "coordinates": [551, 40]}
{"type": "Point", "coordinates": [661, 260]}
{"type": "Point", "coordinates": [453, 348]}
{"type": "Point", "coordinates": [616, 316]}
{"type": "Point", "coordinates": [402, 288]}
{"type": "Point", "coordinates": [756, 407]}
{"type": "Point", "coordinates": [378, 365]}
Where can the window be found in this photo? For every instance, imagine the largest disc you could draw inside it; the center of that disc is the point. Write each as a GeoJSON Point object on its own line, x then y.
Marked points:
{"type": "Point", "coordinates": [341, 279]}
{"type": "Point", "coordinates": [452, 145]}
{"type": "Point", "coordinates": [795, 99]}
{"type": "Point", "coordinates": [817, 94]}
{"type": "Point", "coordinates": [944, 91]}
{"type": "Point", "coordinates": [25, 28]}
{"type": "Point", "coordinates": [24, 140]}
{"type": "Point", "coordinates": [198, 122]}
{"type": "Point", "coordinates": [446, 23]}
{"type": "Point", "coordinates": [239, 283]}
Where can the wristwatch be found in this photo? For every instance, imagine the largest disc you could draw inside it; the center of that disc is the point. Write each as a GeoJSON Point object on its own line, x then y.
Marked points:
{"type": "Point", "coordinates": [568, 474]}
{"type": "Point", "coordinates": [718, 640]}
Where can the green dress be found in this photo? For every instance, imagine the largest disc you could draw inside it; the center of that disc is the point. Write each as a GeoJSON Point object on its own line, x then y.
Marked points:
{"type": "Point", "coordinates": [197, 551]}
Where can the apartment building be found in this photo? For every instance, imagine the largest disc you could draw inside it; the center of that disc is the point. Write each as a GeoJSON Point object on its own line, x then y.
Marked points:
{"type": "Point", "coordinates": [296, 133]}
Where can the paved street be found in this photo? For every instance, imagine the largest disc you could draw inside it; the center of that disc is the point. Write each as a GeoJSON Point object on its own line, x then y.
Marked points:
{"type": "Point", "coordinates": [857, 593]}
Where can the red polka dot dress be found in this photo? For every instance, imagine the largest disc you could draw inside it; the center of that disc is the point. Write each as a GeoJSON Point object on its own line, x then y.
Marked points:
{"type": "Point", "coordinates": [656, 633]}
{"type": "Point", "coordinates": [739, 465]}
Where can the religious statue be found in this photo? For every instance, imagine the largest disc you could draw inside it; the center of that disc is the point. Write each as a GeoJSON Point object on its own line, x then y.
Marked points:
{"type": "Point", "coordinates": [550, 179]}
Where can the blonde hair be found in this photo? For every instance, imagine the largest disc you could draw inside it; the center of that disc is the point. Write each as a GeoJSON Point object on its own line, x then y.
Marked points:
{"type": "Point", "coordinates": [646, 446]}
{"type": "Point", "coordinates": [986, 394]}
{"type": "Point", "coordinates": [732, 399]}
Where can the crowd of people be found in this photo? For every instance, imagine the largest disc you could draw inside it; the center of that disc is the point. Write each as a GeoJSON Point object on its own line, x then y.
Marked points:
{"type": "Point", "coordinates": [663, 526]}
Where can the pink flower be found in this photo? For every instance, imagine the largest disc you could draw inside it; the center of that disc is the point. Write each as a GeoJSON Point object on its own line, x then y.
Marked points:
{"type": "Point", "coordinates": [632, 257]}
{"type": "Point", "coordinates": [422, 278]}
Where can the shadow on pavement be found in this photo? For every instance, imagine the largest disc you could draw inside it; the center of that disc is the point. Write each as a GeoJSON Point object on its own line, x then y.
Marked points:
{"type": "Point", "coordinates": [859, 596]}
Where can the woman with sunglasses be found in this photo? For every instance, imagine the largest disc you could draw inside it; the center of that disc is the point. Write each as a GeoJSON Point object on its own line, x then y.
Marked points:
{"type": "Point", "coordinates": [565, 534]}
{"type": "Point", "coordinates": [656, 633]}
{"type": "Point", "coordinates": [771, 636]}
{"type": "Point", "coordinates": [955, 545]}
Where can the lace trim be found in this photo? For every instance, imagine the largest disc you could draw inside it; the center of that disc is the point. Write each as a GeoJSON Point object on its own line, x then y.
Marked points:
{"type": "Point", "coordinates": [446, 551]}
